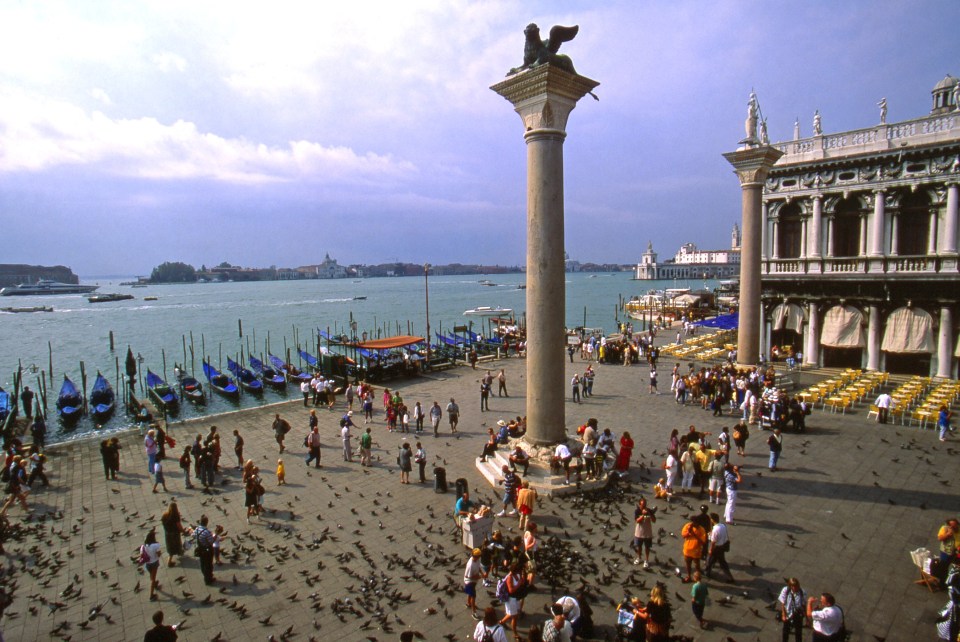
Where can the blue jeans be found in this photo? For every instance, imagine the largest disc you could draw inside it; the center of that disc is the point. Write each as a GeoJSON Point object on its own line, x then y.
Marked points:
{"type": "Point", "coordinates": [774, 458]}
{"type": "Point", "coordinates": [151, 462]}
{"type": "Point", "coordinates": [576, 394]}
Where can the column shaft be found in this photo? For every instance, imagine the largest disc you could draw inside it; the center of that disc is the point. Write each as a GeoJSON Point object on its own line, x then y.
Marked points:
{"type": "Point", "coordinates": [877, 224]}
{"type": "Point", "coordinates": [873, 339]}
{"type": "Point", "coordinates": [811, 350]}
{"type": "Point", "coordinates": [894, 234]}
{"type": "Point", "coordinates": [748, 344]}
{"type": "Point", "coordinates": [776, 239]}
{"type": "Point", "coordinates": [950, 225]}
{"type": "Point", "coordinates": [830, 237]}
{"type": "Point", "coordinates": [816, 223]}
{"type": "Point", "coordinates": [932, 236]}
{"type": "Point", "coordinates": [944, 343]}
{"type": "Point", "coordinates": [803, 238]}
{"type": "Point", "coordinates": [863, 236]}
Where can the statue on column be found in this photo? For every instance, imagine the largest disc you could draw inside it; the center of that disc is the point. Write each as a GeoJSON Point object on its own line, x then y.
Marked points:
{"type": "Point", "coordinates": [956, 96]}
{"type": "Point", "coordinates": [764, 139]}
{"type": "Point", "coordinates": [817, 126]}
{"type": "Point", "coordinates": [796, 129]}
{"type": "Point", "coordinates": [751, 123]}
{"type": "Point", "coordinates": [540, 52]}
{"type": "Point", "coordinates": [883, 110]}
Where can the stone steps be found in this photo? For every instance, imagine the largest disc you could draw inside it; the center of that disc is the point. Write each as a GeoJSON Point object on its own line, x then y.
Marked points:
{"type": "Point", "coordinates": [539, 476]}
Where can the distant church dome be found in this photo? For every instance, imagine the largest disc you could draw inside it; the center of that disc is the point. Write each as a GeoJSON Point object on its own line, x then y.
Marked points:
{"type": "Point", "coordinates": [943, 99]}
{"type": "Point", "coordinates": [947, 83]}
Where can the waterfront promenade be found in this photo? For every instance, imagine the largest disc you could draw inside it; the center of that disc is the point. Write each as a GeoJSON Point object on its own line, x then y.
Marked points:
{"type": "Point", "coordinates": [350, 554]}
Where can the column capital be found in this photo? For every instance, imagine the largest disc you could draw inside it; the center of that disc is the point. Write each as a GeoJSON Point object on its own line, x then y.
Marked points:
{"type": "Point", "coordinates": [752, 165]}
{"type": "Point", "coordinates": [544, 96]}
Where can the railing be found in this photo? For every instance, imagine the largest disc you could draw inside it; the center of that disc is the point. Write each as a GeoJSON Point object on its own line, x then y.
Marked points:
{"type": "Point", "coordinates": [862, 265]}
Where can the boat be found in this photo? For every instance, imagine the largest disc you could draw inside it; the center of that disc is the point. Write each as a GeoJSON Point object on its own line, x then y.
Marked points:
{"type": "Point", "coordinates": [220, 382]}
{"type": "Point", "coordinates": [359, 298]}
{"type": "Point", "coordinates": [46, 286]}
{"type": "Point", "coordinates": [102, 399]}
{"type": "Point", "coordinates": [190, 388]}
{"type": "Point", "coordinates": [486, 311]}
{"type": "Point", "coordinates": [269, 375]}
{"type": "Point", "coordinates": [149, 298]}
{"type": "Point", "coordinates": [293, 374]}
{"type": "Point", "coordinates": [36, 308]}
{"type": "Point", "coordinates": [69, 402]}
{"type": "Point", "coordinates": [162, 392]}
{"type": "Point", "coordinates": [5, 407]}
{"type": "Point", "coordinates": [248, 381]}
{"type": "Point", "coordinates": [107, 298]}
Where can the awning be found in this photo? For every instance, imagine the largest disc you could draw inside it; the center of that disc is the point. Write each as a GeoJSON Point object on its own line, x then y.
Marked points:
{"type": "Point", "coordinates": [789, 316]}
{"type": "Point", "coordinates": [723, 322]}
{"type": "Point", "coordinates": [909, 330]}
{"type": "Point", "coordinates": [687, 300]}
{"type": "Point", "coordinates": [842, 328]}
{"type": "Point", "coordinates": [392, 342]}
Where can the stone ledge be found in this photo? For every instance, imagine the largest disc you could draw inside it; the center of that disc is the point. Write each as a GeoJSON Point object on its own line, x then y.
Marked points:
{"type": "Point", "coordinates": [539, 476]}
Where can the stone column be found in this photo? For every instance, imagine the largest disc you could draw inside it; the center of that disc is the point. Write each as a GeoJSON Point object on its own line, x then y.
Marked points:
{"type": "Point", "coordinates": [830, 226]}
{"type": "Point", "coordinates": [873, 338]}
{"type": "Point", "coordinates": [811, 350]}
{"type": "Point", "coordinates": [877, 224]}
{"type": "Point", "coordinates": [950, 224]}
{"type": "Point", "coordinates": [776, 239]}
{"type": "Point", "coordinates": [544, 96]}
{"type": "Point", "coordinates": [944, 343]}
{"type": "Point", "coordinates": [765, 233]}
{"type": "Point", "coordinates": [863, 236]}
{"type": "Point", "coordinates": [751, 164]}
{"type": "Point", "coordinates": [803, 237]}
{"type": "Point", "coordinates": [815, 224]}
{"type": "Point", "coordinates": [894, 234]}
{"type": "Point", "coordinates": [932, 236]}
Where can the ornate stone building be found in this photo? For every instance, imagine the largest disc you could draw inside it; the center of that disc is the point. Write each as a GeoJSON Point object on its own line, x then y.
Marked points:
{"type": "Point", "coordinates": [692, 263]}
{"type": "Point", "coordinates": [860, 264]}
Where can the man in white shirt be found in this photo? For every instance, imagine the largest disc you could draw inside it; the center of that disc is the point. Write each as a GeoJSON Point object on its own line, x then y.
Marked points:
{"type": "Point", "coordinates": [305, 391]}
{"type": "Point", "coordinates": [557, 629]}
{"type": "Point", "coordinates": [563, 456]}
{"type": "Point", "coordinates": [345, 436]}
{"type": "Point", "coordinates": [471, 575]}
{"type": "Point", "coordinates": [827, 620]}
{"type": "Point", "coordinates": [883, 407]}
{"type": "Point", "coordinates": [719, 545]}
{"type": "Point", "coordinates": [571, 611]}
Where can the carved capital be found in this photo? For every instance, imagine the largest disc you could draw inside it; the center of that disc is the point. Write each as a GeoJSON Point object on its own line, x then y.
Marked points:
{"type": "Point", "coordinates": [544, 95]}
{"type": "Point", "coordinates": [752, 165]}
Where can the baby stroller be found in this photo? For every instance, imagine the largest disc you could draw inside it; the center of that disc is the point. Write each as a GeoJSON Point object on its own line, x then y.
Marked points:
{"type": "Point", "coordinates": [629, 628]}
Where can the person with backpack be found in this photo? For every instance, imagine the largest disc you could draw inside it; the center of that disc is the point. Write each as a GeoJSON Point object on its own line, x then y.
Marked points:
{"type": "Point", "coordinates": [510, 590]}
{"type": "Point", "coordinates": [488, 629]}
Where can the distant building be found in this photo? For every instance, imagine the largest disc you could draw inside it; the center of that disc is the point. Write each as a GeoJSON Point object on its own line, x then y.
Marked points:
{"type": "Point", "coordinates": [692, 263]}
{"type": "Point", "coordinates": [328, 269]}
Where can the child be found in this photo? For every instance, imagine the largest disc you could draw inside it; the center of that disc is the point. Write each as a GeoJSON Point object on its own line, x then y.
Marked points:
{"type": "Point", "coordinates": [281, 473]}
{"type": "Point", "coordinates": [590, 458]}
{"type": "Point", "coordinates": [158, 477]}
{"type": "Point", "coordinates": [219, 534]}
{"type": "Point", "coordinates": [698, 598]}
{"type": "Point", "coordinates": [660, 491]}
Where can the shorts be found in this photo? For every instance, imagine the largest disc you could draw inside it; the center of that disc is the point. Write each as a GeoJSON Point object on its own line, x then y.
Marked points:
{"type": "Point", "coordinates": [525, 510]}
{"type": "Point", "coordinates": [152, 566]}
{"type": "Point", "coordinates": [512, 606]}
{"type": "Point", "coordinates": [470, 588]}
{"type": "Point", "coordinates": [698, 610]}
{"type": "Point", "coordinates": [509, 498]}
{"type": "Point", "coordinates": [640, 542]}
{"type": "Point", "coordinates": [715, 484]}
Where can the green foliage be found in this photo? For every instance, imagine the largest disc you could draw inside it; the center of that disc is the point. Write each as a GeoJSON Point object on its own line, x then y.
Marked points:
{"type": "Point", "coordinates": [173, 272]}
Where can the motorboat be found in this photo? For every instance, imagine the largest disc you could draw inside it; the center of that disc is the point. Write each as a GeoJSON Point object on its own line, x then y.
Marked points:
{"type": "Point", "coordinates": [487, 311]}
{"type": "Point", "coordinates": [46, 286]}
{"type": "Point", "coordinates": [107, 298]}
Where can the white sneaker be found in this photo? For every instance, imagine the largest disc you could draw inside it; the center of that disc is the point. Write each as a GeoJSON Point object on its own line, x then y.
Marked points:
{"type": "Point", "coordinates": [636, 562]}
{"type": "Point", "coordinates": [501, 513]}
{"type": "Point", "coordinates": [646, 565]}
{"type": "Point", "coordinates": [511, 513]}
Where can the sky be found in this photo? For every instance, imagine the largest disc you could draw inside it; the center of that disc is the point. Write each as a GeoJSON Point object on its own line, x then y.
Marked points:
{"type": "Point", "coordinates": [135, 132]}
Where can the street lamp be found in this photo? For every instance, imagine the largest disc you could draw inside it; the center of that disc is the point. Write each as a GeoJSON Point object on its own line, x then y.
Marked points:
{"type": "Point", "coordinates": [426, 290]}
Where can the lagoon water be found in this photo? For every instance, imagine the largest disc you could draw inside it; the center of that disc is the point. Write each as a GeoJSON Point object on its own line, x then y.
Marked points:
{"type": "Point", "coordinates": [274, 311]}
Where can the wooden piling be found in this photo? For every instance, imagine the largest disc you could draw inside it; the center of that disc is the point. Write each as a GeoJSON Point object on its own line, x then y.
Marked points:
{"type": "Point", "coordinates": [111, 341]}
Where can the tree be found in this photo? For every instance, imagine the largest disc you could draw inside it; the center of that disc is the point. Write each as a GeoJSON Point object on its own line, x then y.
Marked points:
{"type": "Point", "coordinates": [173, 272]}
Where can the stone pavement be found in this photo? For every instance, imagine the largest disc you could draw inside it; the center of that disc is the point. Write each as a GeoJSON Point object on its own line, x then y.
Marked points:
{"type": "Point", "coordinates": [350, 554]}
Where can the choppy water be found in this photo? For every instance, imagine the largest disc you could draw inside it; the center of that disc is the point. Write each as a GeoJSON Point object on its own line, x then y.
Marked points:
{"type": "Point", "coordinates": [278, 311]}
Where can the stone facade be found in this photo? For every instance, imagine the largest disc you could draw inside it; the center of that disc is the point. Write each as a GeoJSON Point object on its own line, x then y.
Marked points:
{"type": "Point", "coordinates": [691, 262]}
{"type": "Point", "coordinates": [860, 227]}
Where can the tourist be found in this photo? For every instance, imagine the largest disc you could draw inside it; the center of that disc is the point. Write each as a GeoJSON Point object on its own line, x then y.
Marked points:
{"type": "Point", "coordinates": [562, 457]}
{"type": "Point", "coordinates": [490, 446]}
{"type": "Point", "coordinates": [719, 546]}
{"type": "Point", "coordinates": [526, 502]}
{"type": "Point", "coordinates": [698, 598]}
{"type": "Point", "coordinates": [158, 479]}
{"type": "Point", "coordinates": [471, 575]}
{"type": "Point", "coordinates": [775, 442]}
{"type": "Point", "coordinates": [588, 376]}
{"type": "Point", "coordinates": [489, 629]}
{"type": "Point", "coordinates": [420, 459]}
{"type": "Point", "coordinates": [38, 431]}
{"type": "Point", "coordinates": [575, 387]}
{"type": "Point", "coordinates": [731, 480]}
{"type": "Point", "coordinates": [152, 448]}
{"type": "Point", "coordinates": [589, 456]}
{"type": "Point", "coordinates": [281, 473]}
{"type": "Point", "coordinates": [106, 456]}
{"type": "Point", "coordinates": [502, 384]}
{"type": "Point", "coordinates": [574, 613]}
{"type": "Point", "coordinates": [17, 488]}
{"type": "Point", "coordinates": [252, 490]}
{"type": "Point", "coordinates": [657, 615]}
{"type": "Point", "coordinates": [717, 469]}
{"type": "Point", "coordinates": [484, 396]}
{"type": "Point", "coordinates": [519, 458]}
{"type": "Point", "coordinates": [368, 407]}
{"type": "Point", "coordinates": [238, 448]}
{"type": "Point", "coordinates": [204, 544]}
{"type": "Point", "coordinates": [694, 539]}
{"type": "Point", "coordinates": [792, 603]}
{"type": "Point", "coordinates": [557, 628]}
{"type": "Point", "coordinates": [366, 448]}
{"type": "Point", "coordinates": [510, 483]}
{"type": "Point", "coordinates": [672, 466]}
{"type": "Point", "coordinates": [626, 452]}
{"type": "Point", "coordinates": [37, 461]}
{"type": "Point", "coordinates": [653, 380]}
{"type": "Point", "coordinates": [435, 413]}
{"type": "Point", "coordinates": [827, 618]}
{"type": "Point", "coordinates": [515, 585]}
{"type": "Point", "coordinates": [160, 632]}
{"type": "Point", "coordinates": [453, 414]}
{"type": "Point", "coordinates": [345, 437]}
{"type": "Point", "coordinates": [173, 530]}
{"type": "Point", "coordinates": [350, 394]}
{"type": "Point", "coordinates": [949, 539]}
{"type": "Point", "coordinates": [405, 461]}
{"type": "Point", "coordinates": [312, 442]}
{"type": "Point", "coordinates": [150, 553]}
{"type": "Point", "coordinates": [305, 391]}
{"type": "Point", "coordinates": [219, 534]}
{"type": "Point", "coordinates": [26, 396]}
{"type": "Point", "coordinates": [418, 416]}
{"type": "Point", "coordinates": [943, 422]}
{"type": "Point", "coordinates": [688, 468]}
{"type": "Point", "coordinates": [740, 435]}
{"type": "Point", "coordinates": [279, 431]}
{"type": "Point", "coordinates": [643, 532]}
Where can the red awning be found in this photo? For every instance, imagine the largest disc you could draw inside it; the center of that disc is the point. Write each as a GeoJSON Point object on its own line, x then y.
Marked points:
{"type": "Point", "coordinates": [392, 342]}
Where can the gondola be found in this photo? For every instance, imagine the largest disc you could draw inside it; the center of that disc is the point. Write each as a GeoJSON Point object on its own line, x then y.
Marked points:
{"type": "Point", "coordinates": [248, 380]}
{"type": "Point", "coordinates": [162, 392]}
{"type": "Point", "coordinates": [102, 399]}
{"type": "Point", "coordinates": [293, 374]}
{"type": "Point", "coordinates": [69, 402]}
{"type": "Point", "coordinates": [221, 382]}
{"type": "Point", "coordinates": [192, 389]}
{"type": "Point", "coordinates": [269, 376]}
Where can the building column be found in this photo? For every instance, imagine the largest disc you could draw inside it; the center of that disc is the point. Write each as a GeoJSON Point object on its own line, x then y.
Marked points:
{"type": "Point", "coordinates": [812, 349]}
{"type": "Point", "coordinates": [863, 236]}
{"type": "Point", "coordinates": [815, 224]}
{"type": "Point", "coordinates": [830, 221]}
{"type": "Point", "coordinates": [932, 236]}
{"type": "Point", "coordinates": [776, 239]}
{"type": "Point", "coordinates": [803, 237]}
{"type": "Point", "coordinates": [950, 225]}
{"type": "Point", "coordinates": [944, 343]}
{"type": "Point", "coordinates": [767, 336]}
{"type": "Point", "coordinates": [752, 165]}
{"type": "Point", "coordinates": [894, 234]}
{"type": "Point", "coordinates": [877, 224]}
{"type": "Point", "coordinates": [544, 96]}
{"type": "Point", "coordinates": [765, 233]}
{"type": "Point", "coordinates": [873, 338]}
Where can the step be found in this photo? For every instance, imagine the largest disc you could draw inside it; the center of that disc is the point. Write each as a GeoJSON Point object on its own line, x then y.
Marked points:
{"type": "Point", "coordinates": [539, 476]}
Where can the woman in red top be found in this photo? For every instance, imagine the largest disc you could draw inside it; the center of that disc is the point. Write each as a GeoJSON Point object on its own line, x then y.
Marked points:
{"type": "Point", "coordinates": [626, 450]}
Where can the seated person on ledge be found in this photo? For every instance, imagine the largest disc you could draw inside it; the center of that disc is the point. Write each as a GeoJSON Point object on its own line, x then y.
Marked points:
{"type": "Point", "coordinates": [490, 446]}
{"type": "Point", "coordinates": [517, 427]}
{"type": "Point", "coordinates": [519, 458]}
{"type": "Point", "coordinates": [503, 435]}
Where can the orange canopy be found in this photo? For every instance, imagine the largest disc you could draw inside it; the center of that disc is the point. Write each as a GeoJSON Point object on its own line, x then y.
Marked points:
{"type": "Point", "coordinates": [391, 342]}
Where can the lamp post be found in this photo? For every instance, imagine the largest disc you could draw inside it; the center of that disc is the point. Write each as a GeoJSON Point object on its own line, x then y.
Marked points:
{"type": "Point", "coordinates": [426, 290]}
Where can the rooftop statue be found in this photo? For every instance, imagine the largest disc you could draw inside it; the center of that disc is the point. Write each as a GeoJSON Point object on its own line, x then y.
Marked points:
{"type": "Point", "coordinates": [539, 52]}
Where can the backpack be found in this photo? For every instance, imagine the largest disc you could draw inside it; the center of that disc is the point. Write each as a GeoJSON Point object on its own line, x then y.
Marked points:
{"type": "Point", "coordinates": [503, 594]}
{"type": "Point", "coordinates": [488, 633]}
{"type": "Point", "coordinates": [343, 422]}
{"type": "Point", "coordinates": [143, 558]}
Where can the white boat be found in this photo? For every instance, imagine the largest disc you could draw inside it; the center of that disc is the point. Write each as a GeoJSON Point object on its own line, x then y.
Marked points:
{"type": "Point", "coordinates": [487, 311]}
{"type": "Point", "coordinates": [45, 286]}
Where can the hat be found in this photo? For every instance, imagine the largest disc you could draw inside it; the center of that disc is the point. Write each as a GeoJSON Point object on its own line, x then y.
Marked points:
{"type": "Point", "coordinates": [349, 413]}
{"type": "Point", "coordinates": [476, 552]}
{"type": "Point", "coordinates": [501, 422]}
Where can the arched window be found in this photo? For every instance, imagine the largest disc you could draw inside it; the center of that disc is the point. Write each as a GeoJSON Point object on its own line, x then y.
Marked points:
{"type": "Point", "coordinates": [789, 232]}
{"type": "Point", "coordinates": [846, 228]}
{"type": "Point", "coordinates": [913, 224]}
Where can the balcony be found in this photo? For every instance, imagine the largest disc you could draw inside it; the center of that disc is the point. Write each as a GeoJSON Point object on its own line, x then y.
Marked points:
{"type": "Point", "coordinates": [863, 267]}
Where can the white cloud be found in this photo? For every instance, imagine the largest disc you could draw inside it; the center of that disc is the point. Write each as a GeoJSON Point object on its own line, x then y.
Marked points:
{"type": "Point", "coordinates": [42, 133]}
{"type": "Point", "coordinates": [167, 61]}
{"type": "Point", "coordinates": [101, 96]}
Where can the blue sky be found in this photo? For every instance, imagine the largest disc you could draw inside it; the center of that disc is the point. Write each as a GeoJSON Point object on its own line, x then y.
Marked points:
{"type": "Point", "coordinates": [137, 132]}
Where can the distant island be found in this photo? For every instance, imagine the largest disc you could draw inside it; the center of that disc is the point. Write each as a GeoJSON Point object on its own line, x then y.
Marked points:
{"type": "Point", "coordinates": [13, 274]}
